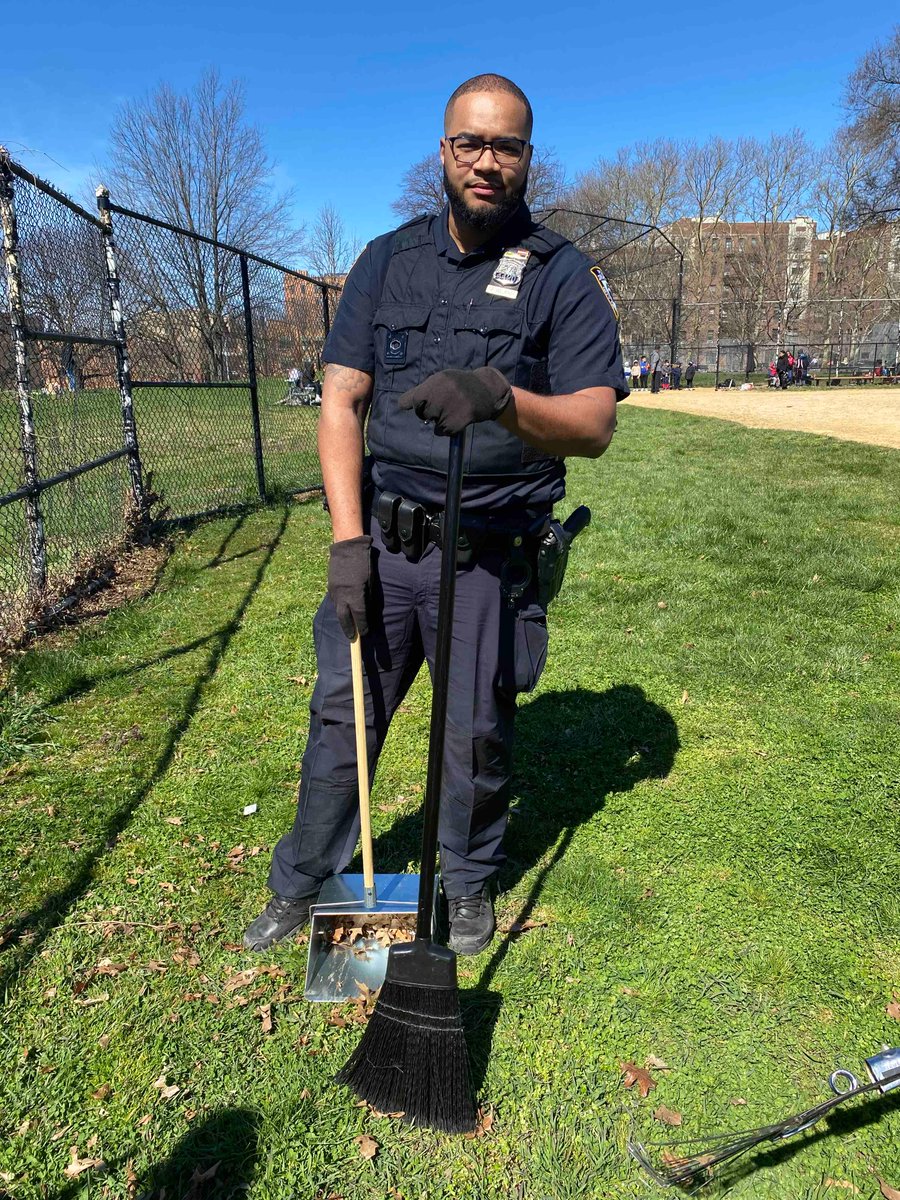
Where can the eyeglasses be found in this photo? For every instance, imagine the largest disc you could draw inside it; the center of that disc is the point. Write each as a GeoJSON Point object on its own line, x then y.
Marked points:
{"type": "Point", "coordinates": [467, 150]}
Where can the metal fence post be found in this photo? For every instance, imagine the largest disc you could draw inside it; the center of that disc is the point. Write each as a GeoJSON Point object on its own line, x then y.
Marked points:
{"type": "Point", "coordinates": [326, 315]}
{"type": "Point", "coordinates": [123, 367]}
{"type": "Point", "coordinates": [34, 517]}
{"type": "Point", "coordinates": [718, 356]}
{"type": "Point", "coordinates": [251, 376]}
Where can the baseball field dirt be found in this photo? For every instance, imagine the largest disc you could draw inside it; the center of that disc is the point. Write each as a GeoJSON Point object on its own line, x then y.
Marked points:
{"type": "Point", "coordinates": [856, 414]}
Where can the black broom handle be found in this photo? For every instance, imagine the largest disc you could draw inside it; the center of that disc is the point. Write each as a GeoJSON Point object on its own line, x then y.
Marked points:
{"type": "Point", "coordinates": [449, 538]}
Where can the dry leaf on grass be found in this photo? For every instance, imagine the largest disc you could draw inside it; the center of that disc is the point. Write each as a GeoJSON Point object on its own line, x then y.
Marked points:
{"type": "Point", "coordinates": [524, 926]}
{"type": "Point", "coordinates": [368, 1147]}
{"type": "Point", "coordinates": [843, 1183]}
{"type": "Point", "coordinates": [264, 1012]}
{"type": "Point", "coordinates": [737, 1101]}
{"type": "Point", "coordinates": [174, 820]}
{"type": "Point", "coordinates": [668, 1116]}
{"type": "Point", "coordinates": [102, 1092]}
{"type": "Point", "coordinates": [893, 1009]}
{"type": "Point", "coordinates": [77, 1165]}
{"type": "Point", "coordinates": [90, 1001]}
{"type": "Point", "coordinates": [483, 1124]}
{"type": "Point", "coordinates": [889, 1193]}
{"type": "Point", "coordinates": [637, 1075]}
{"type": "Point", "coordinates": [656, 1064]}
{"type": "Point", "coordinates": [241, 979]}
{"type": "Point", "coordinates": [166, 1090]}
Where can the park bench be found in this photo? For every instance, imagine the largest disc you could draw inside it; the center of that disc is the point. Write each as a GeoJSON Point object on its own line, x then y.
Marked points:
{"type": "Point", "coordinates": [841, 380]}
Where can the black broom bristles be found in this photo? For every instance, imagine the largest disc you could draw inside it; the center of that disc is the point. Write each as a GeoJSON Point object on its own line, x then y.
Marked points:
{"type": "Point", "coordinates": [412, 1057]}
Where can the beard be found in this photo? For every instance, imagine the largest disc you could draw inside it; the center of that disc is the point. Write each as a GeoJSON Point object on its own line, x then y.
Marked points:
{"type": "Point", "coordinates": [484, 220]}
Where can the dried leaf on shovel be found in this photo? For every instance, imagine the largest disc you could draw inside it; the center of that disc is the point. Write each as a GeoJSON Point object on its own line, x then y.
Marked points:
{"type": "Point", "coordinates": [368, 1147]}
{"type": "Point", "coordinates": [77, 1165]}
{"type": "Point", "coordinates": [637, 1075]}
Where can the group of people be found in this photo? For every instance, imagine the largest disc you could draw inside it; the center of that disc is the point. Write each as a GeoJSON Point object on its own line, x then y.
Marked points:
{"type": "Point", "coordinates": [655, 373]}
{"type": "Point", "coordinates": [787, 369]}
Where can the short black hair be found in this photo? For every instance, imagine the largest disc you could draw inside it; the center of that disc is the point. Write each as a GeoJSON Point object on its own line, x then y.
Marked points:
{"type": "Point", "coordinates": [491, 83]}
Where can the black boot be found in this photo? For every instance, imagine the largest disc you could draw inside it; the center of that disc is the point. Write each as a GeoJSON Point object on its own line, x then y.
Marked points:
{"type": "Point", "coordinates": [472, 921]}
{"type": "Point", "coordinates": [279, 919]}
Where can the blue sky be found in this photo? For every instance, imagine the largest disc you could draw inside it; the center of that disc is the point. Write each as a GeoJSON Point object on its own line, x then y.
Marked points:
{"type": "Point", "coordinates": [348, 94]}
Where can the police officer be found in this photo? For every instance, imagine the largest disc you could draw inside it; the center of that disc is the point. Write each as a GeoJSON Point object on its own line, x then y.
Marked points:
{"type": "Point", "coordinates": [477, 315]}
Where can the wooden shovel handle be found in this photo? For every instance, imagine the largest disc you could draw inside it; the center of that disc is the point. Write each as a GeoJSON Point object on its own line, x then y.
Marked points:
{"type": "Point", "coordinates": [362, 760]}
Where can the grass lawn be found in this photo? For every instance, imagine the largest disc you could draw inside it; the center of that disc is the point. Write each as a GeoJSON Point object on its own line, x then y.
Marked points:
{"type": "Point", "coordinates": [196, 447]}
{"type": "Point", "coordinates": [704, 828]}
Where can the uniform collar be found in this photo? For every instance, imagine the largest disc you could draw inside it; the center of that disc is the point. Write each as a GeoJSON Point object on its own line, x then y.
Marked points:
{"type": "Point", "coordinates": [519, 230]}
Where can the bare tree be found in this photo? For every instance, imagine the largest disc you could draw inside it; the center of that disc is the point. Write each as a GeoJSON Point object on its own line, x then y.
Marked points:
{"type": "Point", "coordinates": [422, 185]}
{"type": "Point", "coordinates": [421, 188]}
{"type": "Point", "coordinates": [329, 249]}
{"type": "Point", "coordinates": [872, 102]}
{"type": "Point", "coordinates": [194, 161]}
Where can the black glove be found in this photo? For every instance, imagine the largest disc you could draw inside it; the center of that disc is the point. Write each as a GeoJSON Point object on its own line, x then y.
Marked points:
{"type": "Point", "coordinates": [349, 570]}
{"type": "Point", "coordinates": [454, 399]}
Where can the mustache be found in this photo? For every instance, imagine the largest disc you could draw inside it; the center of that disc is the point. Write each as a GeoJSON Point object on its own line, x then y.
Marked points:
{"type": "Point", "coordinates": [483, 220]}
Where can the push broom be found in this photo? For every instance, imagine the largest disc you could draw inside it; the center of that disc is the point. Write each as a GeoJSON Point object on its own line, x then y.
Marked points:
{"type": "Point", "coordinates": [412, 1057]}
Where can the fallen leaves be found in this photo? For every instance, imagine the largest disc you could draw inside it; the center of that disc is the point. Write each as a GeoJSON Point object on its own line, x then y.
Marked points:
{"type": "Point", "coordinates": [843, 1183]}
{"type": "Point", "coordinates": [483, 1124]}
{"type": "Point", "coordinates": [78, 1165]}
{"type": "Point", "coordinates": [362, 938]}
{"type": "Point", "coordinates": [518, 927]}
{"type": "Point", "coordinates": [668, 1116]}
{"type": "Point", "coordinates": [889, 1193]}
{"type": "Point", "coordinates": [368, 1147]}
{"type": "Point", "coordinates": [633, 1074]}
{"type": "Point", "coordinates": [264, 1012]}
{"type": "Point", "coordinates": [656, 1064]}
{"type": "Point", "coordinates": [893, 1009]}
{"type": "Point", "coordinates": [166, 1090]}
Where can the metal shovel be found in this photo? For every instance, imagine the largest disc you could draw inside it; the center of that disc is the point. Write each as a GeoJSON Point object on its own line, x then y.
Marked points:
{"type": "Point", "coordinates": [357, 917]}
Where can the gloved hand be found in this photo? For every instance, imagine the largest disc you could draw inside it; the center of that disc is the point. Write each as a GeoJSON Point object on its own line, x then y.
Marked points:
{"type": "Point", "coordinates": [349, 571]}
{"type": "Point", "coordinates": [454, 399]}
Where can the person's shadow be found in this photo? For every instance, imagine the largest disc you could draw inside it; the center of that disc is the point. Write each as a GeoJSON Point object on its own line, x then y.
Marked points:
{"type": "Point", "coordinates": [215, 1158]}
{"type": "Point", "coordinates": [572, 749]}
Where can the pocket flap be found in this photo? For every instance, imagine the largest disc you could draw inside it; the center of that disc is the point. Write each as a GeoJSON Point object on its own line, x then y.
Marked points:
{"type": "Point", "coordinates": [489, 318]}
{"type": "Point", "coordinates": [402, 316]}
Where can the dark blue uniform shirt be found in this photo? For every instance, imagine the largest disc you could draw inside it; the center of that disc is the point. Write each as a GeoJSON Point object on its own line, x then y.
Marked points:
{"type": "Point", "coordinates": [414, 304]}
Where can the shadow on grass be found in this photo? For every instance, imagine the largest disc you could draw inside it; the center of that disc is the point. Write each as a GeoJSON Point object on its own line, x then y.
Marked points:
{"type": "Point", "coordinates": [837, 1124]}
{"type": "Point", "coordinates": [28, 934]}
{"type": "Point", "coordinates": [216, 1157]}
{"type": "Point", "coordinates": [573, 748]}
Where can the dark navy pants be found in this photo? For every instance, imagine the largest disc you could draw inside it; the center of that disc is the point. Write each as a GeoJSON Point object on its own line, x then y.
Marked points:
{"type": "Point", "coordinates": [497, 652]}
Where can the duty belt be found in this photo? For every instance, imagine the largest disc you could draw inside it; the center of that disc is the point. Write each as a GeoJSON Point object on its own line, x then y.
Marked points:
{"type": "Point", "coordinates": [532, 544]}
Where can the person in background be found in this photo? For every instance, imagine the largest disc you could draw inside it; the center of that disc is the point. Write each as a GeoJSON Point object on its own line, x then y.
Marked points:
{"type": "Point", "coordinates": [689, 374]}
{"type": "Point", "coordinates": [635, 375]}
{"type": "Point", "coordinates": [676, 376]}
{"type": "Point", "coordinates": [655, 369]}
{"type": "Point", "coordinates": [645, 371]}
{"type": "Point", "coordinates": [783, 368]}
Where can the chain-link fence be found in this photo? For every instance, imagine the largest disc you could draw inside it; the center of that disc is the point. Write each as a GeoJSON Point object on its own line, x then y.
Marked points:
{"type": "Point", "coordinates": [140, 363]}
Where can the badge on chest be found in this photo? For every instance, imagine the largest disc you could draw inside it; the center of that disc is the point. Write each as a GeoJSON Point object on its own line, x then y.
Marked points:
{"type": "Point", "coordinates": [508, 274]}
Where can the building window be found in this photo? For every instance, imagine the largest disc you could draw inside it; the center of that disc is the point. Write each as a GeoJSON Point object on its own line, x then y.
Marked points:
{"type": "Point", "coordinates": [823, 256]}
{"type": "Point", "coordinates": [710, 335]}
{"type": "Point", "coordinates": [753, 243]}
{"type": "Point", "coordinates": [728, 243]}
{"type": "Point", "coordinates": [820, 277]}
{"type": "Point", "coordinates": [741, 246]}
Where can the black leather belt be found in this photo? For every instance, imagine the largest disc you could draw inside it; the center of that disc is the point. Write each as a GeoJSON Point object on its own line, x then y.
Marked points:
{"type": "Point", "coordinates": [409, 527]}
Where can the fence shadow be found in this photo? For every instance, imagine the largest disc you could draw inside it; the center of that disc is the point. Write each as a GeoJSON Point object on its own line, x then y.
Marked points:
{"type": "Point", "coordinates": [29, 932]}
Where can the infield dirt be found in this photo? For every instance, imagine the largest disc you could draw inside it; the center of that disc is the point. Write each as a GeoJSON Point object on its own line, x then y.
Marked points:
{"type": "Point", "coordinates": [864, 414]}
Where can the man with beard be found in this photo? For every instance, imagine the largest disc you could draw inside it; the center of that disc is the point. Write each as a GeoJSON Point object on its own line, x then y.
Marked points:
{"type": "Point", "coordinates": [477, 315]}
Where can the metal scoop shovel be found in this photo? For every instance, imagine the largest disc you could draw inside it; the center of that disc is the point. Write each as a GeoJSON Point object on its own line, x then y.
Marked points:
{"type": "Point", "coordinates": [358, 917]}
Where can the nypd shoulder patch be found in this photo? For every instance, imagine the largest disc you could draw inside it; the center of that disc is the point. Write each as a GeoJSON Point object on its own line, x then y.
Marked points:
{"type": "Point", "coordinates": [606, 290]}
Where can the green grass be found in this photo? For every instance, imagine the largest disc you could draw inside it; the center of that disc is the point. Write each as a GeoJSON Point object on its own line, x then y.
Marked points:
{"type": "Point", "coordinates": [705, 816]}
{"type": "Point", "coordinates": [197, 454]}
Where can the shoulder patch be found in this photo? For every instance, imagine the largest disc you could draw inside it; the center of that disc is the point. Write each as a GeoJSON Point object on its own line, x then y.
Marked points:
{"type": "Point", "coordinates": [606, 290]}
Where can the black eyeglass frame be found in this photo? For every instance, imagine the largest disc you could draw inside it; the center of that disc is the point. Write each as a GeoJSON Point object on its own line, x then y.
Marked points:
{"type": "Point", "coordinates": [523, 146]}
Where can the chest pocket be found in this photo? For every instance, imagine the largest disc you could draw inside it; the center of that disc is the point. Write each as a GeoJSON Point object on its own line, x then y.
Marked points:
{"type": "Point", "coordinates": [489, 335]}
{"type": "Point", "coordinates": [399, 334]}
